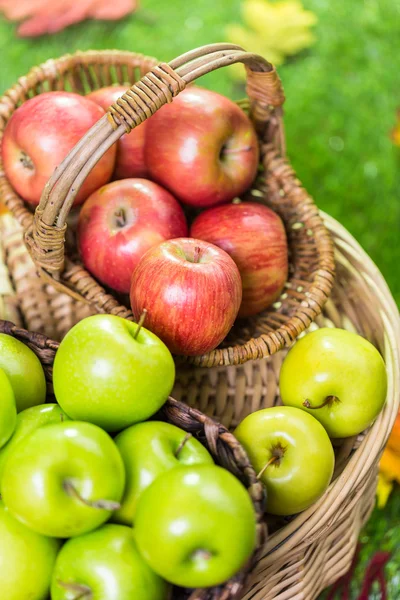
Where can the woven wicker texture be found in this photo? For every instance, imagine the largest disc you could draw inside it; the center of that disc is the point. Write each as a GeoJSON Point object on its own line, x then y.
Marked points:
{"type": "Point", "coordinates": [43, 308]}
{"type": "Point", "coordinates": [306, 554]}
{"type": "Point", "coordinates": [51, 242]}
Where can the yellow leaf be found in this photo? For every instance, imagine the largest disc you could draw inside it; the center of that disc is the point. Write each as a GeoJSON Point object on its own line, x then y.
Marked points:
{"type": "Point", "coordinates": [383, 490]}
{"type": "Point", "coordinates": [389, 465]}
{"type": "Point", "coordinates": [274, 30]}
{"type": "Point", "coordinates": [246, 39]}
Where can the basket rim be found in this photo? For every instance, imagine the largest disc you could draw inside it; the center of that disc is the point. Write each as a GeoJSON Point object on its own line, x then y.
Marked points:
{"type": "Point", "coordinates": [318, 287]}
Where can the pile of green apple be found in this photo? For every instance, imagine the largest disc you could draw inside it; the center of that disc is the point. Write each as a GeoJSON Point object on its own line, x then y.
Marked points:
{"type": "Point", "coordinates": [333, 384]}
{"type": "Point", "coordinates": [97, 501]}
{"type": "Point", "coordinates": [100, 503]}
{"type": "Point", "coordinates": [164, 218]}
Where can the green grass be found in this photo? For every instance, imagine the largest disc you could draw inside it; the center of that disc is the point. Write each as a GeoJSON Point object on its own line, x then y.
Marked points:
{"type": "Point", "coordinates": [341, 98]}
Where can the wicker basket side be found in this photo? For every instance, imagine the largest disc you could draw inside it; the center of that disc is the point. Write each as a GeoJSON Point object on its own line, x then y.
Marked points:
{"type": "Point", "coordinates": [317, 546]}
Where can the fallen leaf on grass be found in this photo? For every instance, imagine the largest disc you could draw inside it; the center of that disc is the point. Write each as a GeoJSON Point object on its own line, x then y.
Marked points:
{"type": "Point", "coordinates": [396, 131]}
{"type": "Point", "coordinates": [49, 16]}
{"type": "Point", "coordinates": [274, 30]}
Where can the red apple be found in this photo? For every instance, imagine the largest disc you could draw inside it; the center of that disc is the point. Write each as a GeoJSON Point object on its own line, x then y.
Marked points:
{"type": "Point", "coordinates": [120, 222]}
{"type": "Point", "coordinates": [39, 136]}
{"type": "Point", "coordinates": [202, 147]}
{"type": "Point", "coordinates": [254, 236]}
{"type": "Point", "coordinates": [192, 292]}
{"type": "Point", "coordinates": [130, 148]}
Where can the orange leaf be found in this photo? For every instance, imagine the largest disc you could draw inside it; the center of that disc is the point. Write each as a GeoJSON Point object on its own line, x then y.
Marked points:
{"type": "Point", "coordinates": [390, 465]}
{"type": "Point", "coordinates": [395, 135]}
{"type": "Point", "coordinates": [394, 439]}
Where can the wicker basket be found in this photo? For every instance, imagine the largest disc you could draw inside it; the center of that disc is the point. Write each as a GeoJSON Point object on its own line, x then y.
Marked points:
{"type": "Point", "coordinates": [305, 554]}
{"type": "Point", "coordinates": [311, 254]}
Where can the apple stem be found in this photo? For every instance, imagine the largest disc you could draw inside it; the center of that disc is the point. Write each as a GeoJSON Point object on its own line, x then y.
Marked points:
{"type": "Point", "coordinates": [83, 591]}
{"type": "Point", "coordinates": [140, 323]}
{"type": "Point", "coordinates": [181, 445]}
{"type": "Point", "coordinates": [26, 161]}
{"type": "Point", "coordinates": [197, 252]}
{"type": "Point", "coordinates": [61, 417]}
{"type": "Point", "coordinates": [71, 490]}
{"type": "Point", "coordinates": [329, 400]}
{"type": "Point", "coordinates": [265, 467]}
{"type": "Point", "coordinates": [120, 217]}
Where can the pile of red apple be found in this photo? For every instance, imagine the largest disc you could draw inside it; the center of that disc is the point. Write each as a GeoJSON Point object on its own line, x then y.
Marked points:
{"type": "Point", "coordinates": [200, 153]}
{"type": "Point", "coordinates": [98, 501]}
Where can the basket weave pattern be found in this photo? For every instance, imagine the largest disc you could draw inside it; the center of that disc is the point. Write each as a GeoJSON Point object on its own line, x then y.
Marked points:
{"type": "Point", "coordinates": [311, 254]}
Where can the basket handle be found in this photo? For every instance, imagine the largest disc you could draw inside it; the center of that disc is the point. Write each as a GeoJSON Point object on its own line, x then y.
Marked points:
{"type": "Point", "coordinates": [45, 239]}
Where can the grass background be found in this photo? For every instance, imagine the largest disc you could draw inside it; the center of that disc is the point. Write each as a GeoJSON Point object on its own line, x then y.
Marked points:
{"type": "Point", "coordinates": [342, 96]}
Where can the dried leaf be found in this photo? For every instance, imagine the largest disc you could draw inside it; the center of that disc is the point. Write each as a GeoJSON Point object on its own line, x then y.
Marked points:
{"type": "Point", "coordinates": [49, 16]}
{"type": "Point", "coordinates": [396, 131]}
{"type": "Point", "coordinates": [383, 490]}
{"type": "Point", "coordinates": [273, 29]}
{"type": "Point", "coordinates": [394, 439]}
{"type": "Point", "coordinates": [390, 464]}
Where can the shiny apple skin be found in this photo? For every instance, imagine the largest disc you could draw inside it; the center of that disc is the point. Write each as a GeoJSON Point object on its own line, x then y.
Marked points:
{"type": "Point", "coordinates": [191, 511]}
{"type": "Point", "coordinates": [306, 468]}
{"type": "Point", "coordinates": [46, 128]}
{"type": "Point", "coordinates": [335, 362]}
{"type": "Point", "coordinates": [191, 305]}
{"type": "Point", "coordinates": [24, 370]}
{"type": "Point", "coordinates": [111, 251]}
{"type": "Point", "coordinates": [148, 450]}
{"type": "Point", "coordinates": [26, 558]}
{"type": "Point", "coordinates": [105, 374]}
{"type": "Point", "coordinates": [27, 421]}
{"type": "Point", "coordinates": [40, 465]}
{"type": "Point", "coordinates": [184, 143]}
{"type": "Point", "coordinates": [8, 409]}
{"type": "Point", "coordinates": [107, 562]}
{"type": "Point", "coordinates": [254, 236]}
{"type": "Point", "coordinates": [130, 160]}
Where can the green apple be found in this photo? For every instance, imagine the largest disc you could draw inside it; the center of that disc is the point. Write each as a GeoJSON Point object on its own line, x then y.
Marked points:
{"type": "Point", "coordinates": [28, 420]}
{"type": "Point", "coordinates": [24, 372]}
{"type": "Point", "coordinates": [26, 560]}
{"type": "Point", "coordinates": [63, 480]}
{"type": "Point", "coordinates": [149, 449]}
{"type": "Point", "coordinates": [8, 410]}
{"type": "Point", "coordinates": [105, 565]}
{"type": "Point", "coordinates": [112, 372]}
{"type": "Point", "coordinates": [339, 377]}
{"type": "Point", "coordinates": [292, 454]}
{"type": "Point", "coordinates": [196, 525]}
